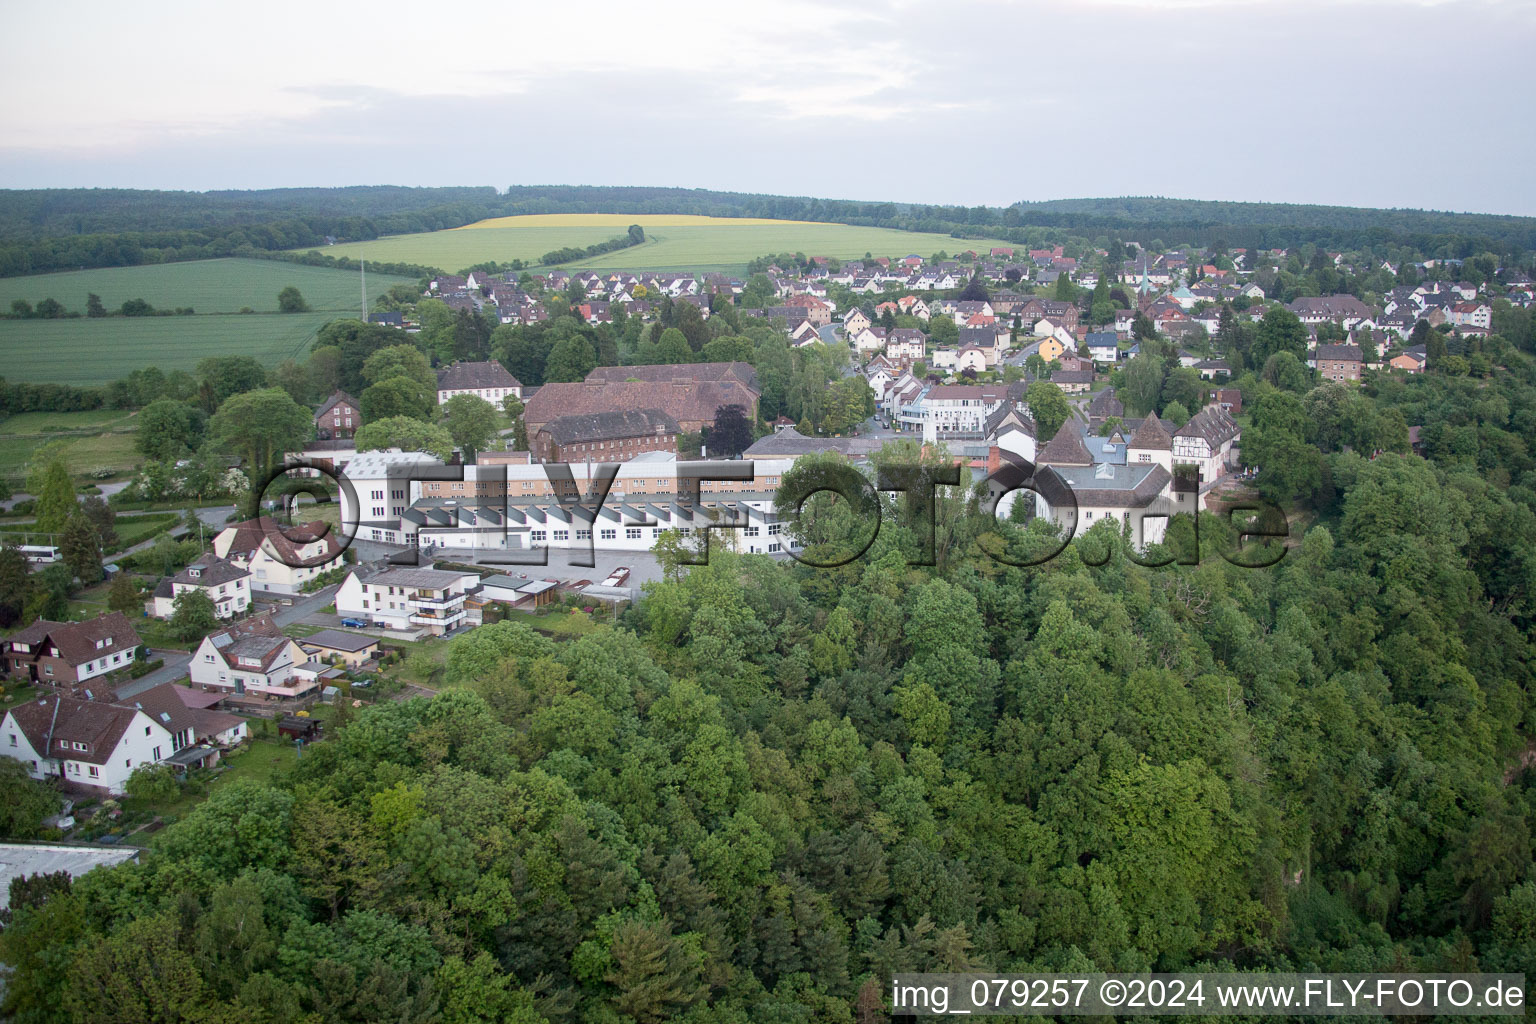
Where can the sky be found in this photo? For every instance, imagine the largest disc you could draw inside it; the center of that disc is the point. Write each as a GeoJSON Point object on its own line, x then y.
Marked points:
{"type": "Point", "coordinates": [1385, 103]}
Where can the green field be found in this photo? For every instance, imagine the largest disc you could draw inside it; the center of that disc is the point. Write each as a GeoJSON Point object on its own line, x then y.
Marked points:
{"type": "Point", "coordinates": [86, 351]}
{"type": "Point", "coordinates": [716, 244]}
{"type": "Point", "coordinates": [97, 351]}
{"type": "Point", "coordinates": [99, 439]}
{"type": "Point", "coordinates": [208, 286]}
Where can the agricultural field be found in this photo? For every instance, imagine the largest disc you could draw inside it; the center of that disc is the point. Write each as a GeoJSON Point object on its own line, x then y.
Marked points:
{"type": "Point", "coordinates": [86, 351]}
{"type": "Point", "coordinates": [99, 439]}
{"type": "Point", "coordinates": [672, 242]}
{"type": "Point", "coordinates": [98, 351]}
{"type": "Point", "coordinates": [207, 286]}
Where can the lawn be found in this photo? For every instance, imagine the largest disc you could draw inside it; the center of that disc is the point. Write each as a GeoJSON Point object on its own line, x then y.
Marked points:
{"type": "Point", "coordinates": [672, 242]}
{"type": "Point", "coordinates": [208, 286]}
{"type": "Point", "coordinates": [86, 351]}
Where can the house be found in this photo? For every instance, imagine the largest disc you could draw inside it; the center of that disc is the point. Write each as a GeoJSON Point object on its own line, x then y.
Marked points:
{"type": "Point", "coordinates": [1207, 442]}
{"type": "Point", "coordinates": [1103, 346]}
{"type": "Point", "coordinates": [351, 649]}
{"type": "Point", "coordinates": [869, 339]}
{"type": "Point", "coordinates": [280, 558]}
{"type": "Point", "coordinates": [1339, 362]}
{"type": "Point", "coordinates": [1412, 360]}
{"type": "Point", "coordinates": [1210, 369]}
{"type": "Point", "coordinates": [71, 653]}
{"type": "Point", "coordinates": [227, 585]}
{"type": "Point", "coordinates": [905, 345]}
{"type": "Point", "coordinates": [1073, 382]}
{"type": "Point", "coordinates": [616, 436]}
{"type": "Point", "coordinates": [954, 410]}
{"type": "Point", "coordinates": [94, 745]}
{"type": "Point", "coordinates": [803, 333]}
{"type": "Point", "coordinates": [407, 598]}
{"type": "Point", "coordinates": [489, 381]}
{"type": "Point", "coordinates": [855, 322]}
{"type": "Point", "coordinates": [691, 404]}
{"type": "Point", "coordinates": [251, 656]}
{"type": "Point", "coordinates": [339, 417]}
{"type": "Point", "coordinates": [1052, 347]}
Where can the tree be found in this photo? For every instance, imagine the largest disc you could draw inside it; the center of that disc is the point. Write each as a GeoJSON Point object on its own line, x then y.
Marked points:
{"type": "Point", "coordinates": [192, 615]}
{"type": "Point", "coordinates": [1049, 407]}
{"type": "Point", "coordinates": [93, 306]}
{"type": "Point", "coordinates": [399, 361]}
{"type": "Point", "coordinates": [571, 359]}
{"type": "Point", "coordinates": [289, 300]}
{"type": "Point", "coordinates": [407, 434]}
{"type": "Point", "coordinates": [80, 548]}
{"type": "Point", "coordinates": [1176, 412]}
{"type": "Point", "coordinates": [102, 519]}
{"type": "Point", "coordinates": [123, 594]}
{"type": "Point", "coordinates": [24, 802]}
{"type": "Point", "coordinates": [636, 234]}
{"type": "Point", "coordinates": [473, 423]}
{"type": "Point", "coordinates": [975, 290]}
{"type": "Point", "coordinates": [55, 496]}
{"type": "Point", "coordinates": [943, 330]}
{"type": "Point", "coordinates": [1143, 388]}
{"type": "Point", "coordinates": [1279, 331]}
{"type": "Point", "coordinates": [397, 396]}
{"type": "Point", "coordinates": [513, 407]}
{"type": "Point", "coordinates": [262, 426]}
{"type": "Point", "coordinates": [15, 580]}
{"type": "Point", "coordinates": [220, 377]}
{"type": "Point", "coordinates": [169, 430]}
{"type": "Point", "coordinates": [731, 434]}
{"type": "Point", "coordinates": [153, 783]}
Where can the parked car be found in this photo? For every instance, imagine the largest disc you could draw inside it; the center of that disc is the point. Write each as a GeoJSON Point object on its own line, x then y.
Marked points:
{"type": "Point", "coordinates": [355, 623]}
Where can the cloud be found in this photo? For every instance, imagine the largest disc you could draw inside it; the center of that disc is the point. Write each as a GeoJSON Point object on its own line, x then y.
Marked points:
{"type": "Point", "coordinates": [975, 102]}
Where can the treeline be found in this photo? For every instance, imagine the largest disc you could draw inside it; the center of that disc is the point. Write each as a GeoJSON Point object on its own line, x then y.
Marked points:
{"type": "Point", "coordinates": [554, 257]}
{"type": "Point", "coordinates": [52, 309]}
{"type": "Point", "coordinates": [76, 228]}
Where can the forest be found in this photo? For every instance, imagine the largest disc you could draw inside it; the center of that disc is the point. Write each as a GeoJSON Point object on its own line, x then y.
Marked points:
{"type": "Point", "coordinates": [768, 786]}
{"type": "Point", "coordinates": [57, 229]}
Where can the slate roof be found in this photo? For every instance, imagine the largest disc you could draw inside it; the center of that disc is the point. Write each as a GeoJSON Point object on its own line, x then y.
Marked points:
{"type": "Point", "coordinates": [1213, 423]}
{"type": "Point", "coordinates": [1347, 353]}
{"type": "Point", "coordinates": [475, 376]}
{"type": "Point", "coordinates": [284, 540]}
{"type": "Point", "coordinates": [97, 724]}
{"type": "Point", "coordinates": [685, 402]}
{"type": "Point", "coordinates": [789, 442]}
{"type": "Point", "coordinates": [608, 426]}
{"type": "Point", "coordinates": [1065, 449]}
{"type": "Point", "coordinates": [340, 397]}
{"type": "Point", "coordinates": [212, 570]}
{"type": "Point", "coordinates": [1151, 435]}
{"type": "Point", "coordinates": [1104, 405]}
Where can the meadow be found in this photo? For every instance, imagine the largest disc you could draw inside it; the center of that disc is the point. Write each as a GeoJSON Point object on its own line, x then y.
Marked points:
{"type": "Point", "coordinates": [672, 242]}
{"type": "Point", "coordinates": [207, 286]}
{"type": "Point", "coordinates": [99, 439]}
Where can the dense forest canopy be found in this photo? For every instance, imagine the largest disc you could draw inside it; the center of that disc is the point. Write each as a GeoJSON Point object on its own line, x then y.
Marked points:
{"type": "Point", "coordinates": [57, 229]}
{"type": "Point", "coordinates": [768, 787]}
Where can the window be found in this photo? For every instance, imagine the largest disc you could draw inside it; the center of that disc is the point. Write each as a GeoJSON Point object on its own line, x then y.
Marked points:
{"type": "Point", "coordinates": [583, 534]}
{"type": "Point", "coordinates": [632, 533]}
{"type": "Point", "coordinates": [608, 534]}
{"type": "Point", "coordinates": [13, 739]}
{"type": "Point", "coordinates": [156, 752]}
{"type": "Point", "coordinates": [752, 531]}
{"type": "Point", "coordinates": [538, 535]}
{"type": "Point", "coordinates": [95, 772]}
{"type": "Point", "coordinates": [562, 535]}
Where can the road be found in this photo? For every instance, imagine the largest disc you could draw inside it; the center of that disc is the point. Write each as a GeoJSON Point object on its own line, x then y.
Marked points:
{"type": "Point", "coordinates": [176, 661]}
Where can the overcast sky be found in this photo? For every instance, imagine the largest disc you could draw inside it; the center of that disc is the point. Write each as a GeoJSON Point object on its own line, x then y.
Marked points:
{"type": "Point", "coordinates": [1357, 102]}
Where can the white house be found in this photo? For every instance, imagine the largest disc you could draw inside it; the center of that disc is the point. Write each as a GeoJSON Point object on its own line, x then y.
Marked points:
{"type": "Point", "coordinates": [250, 656]}
{"type": "Point", "coordinates": [96, 744]}
{"type": "Point", "coordinates": [407, 598]}
{"type": "Point", "coordinates": [489, 381]}
{"type": "Point", "coordinates": [227, 585]}
{"type": "Point", "coordinates": [279, 558]}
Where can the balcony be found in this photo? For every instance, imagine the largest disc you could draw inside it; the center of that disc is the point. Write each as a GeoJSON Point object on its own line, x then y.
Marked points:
{"type": "Point", "coordinates": [427, 600]}
{"type": "Point", "coordinates": [444, 621]}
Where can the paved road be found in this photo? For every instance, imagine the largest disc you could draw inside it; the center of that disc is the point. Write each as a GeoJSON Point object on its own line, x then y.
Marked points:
{"type": "Point", "coordinates": [176, 661]}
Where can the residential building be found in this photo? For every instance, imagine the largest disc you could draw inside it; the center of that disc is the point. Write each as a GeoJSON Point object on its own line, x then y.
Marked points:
{"type": "Point", "coordinates": [489, 380]}
{"type": "Point", "coordinates": [251, 656]}
{"type": "Point", "coordinates": [227, 585]}
{"type": "Point", "coordinates": [71, 653]}
{"type": "Point", "coordinates": [280, 558]}
{"type": "Point", "coordinates": [407, 598]}
{"type": "Point", "coordinates": [339, 417]}
{"type": "Point", "coordinates": [1339, 362]}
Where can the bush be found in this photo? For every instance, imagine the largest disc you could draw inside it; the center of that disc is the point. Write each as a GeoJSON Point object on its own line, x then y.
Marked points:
{"type": "Point", "coordinates": [144, 668]}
